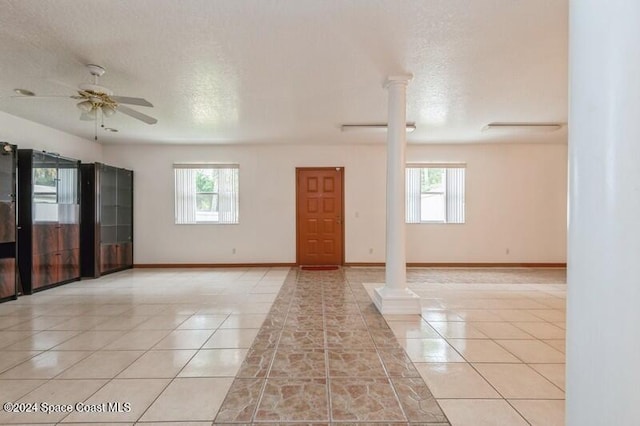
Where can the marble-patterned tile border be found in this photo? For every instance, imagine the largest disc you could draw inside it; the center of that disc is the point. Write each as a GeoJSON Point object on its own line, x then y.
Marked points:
{"type": "Point", "coordinates": [324, 356]}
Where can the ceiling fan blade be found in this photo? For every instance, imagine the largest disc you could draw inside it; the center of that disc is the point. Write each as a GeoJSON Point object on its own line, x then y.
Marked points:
{"type": "Point", "coordinates": [131, 101]}
{"type": "Point", "coordinates": [86, 117]}
{"type": "Point", "coordinates": [39, 97]}
{"type": "Point", "coordinates": [135, 114]}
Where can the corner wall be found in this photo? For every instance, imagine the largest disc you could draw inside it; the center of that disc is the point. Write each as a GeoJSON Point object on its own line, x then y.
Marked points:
{"type": "Point", "coordinates": [29, 135]}
{"type": "Point", "coordinates": [516, 202]}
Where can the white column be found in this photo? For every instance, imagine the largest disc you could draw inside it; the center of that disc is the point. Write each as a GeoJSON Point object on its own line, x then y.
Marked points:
{"type": "Point", "coordinates": [603, 312]}
{"type": "Point", "coordinates": [395, 297]}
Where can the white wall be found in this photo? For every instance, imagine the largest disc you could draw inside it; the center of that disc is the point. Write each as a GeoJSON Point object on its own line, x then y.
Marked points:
{"type": "Point", "coordinates": [29, 135]}
{"type": "Point", "coordinates": [516, 200]}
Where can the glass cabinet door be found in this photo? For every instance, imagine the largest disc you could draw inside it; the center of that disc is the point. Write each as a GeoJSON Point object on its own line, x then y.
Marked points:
{"type": "Point", "coordinates": [125, 208]}
{"type": "Point", "coordinates": [108, 204]}
{"type": "Point", "coordinates": [6, 176]}
{"type": "Point", "coordinates": [45, 188]}
{"type": "Point", "coordinates": [7, 188]}
{"type": "Point", "coordinates": [68, 194]}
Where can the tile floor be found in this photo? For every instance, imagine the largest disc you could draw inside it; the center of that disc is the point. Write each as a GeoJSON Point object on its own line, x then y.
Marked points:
{"type": "Point", "coordinates": [203, 346]}
{"type": "Point", "coordinates": [489, 343]}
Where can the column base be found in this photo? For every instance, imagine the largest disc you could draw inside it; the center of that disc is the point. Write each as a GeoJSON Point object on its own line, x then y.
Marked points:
{"type": "Point", "coordinates": [396, 301]}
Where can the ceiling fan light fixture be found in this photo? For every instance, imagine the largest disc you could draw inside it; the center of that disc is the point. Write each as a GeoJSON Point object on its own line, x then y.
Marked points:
{"type": "Point", "coordinates": [85, 106]}
{"type": "Point", "coordinates": [24, 92]}
{"type": "Point", "coordinates": [92, 114]}
{"type": "Point", "coordinates": [108, 110]}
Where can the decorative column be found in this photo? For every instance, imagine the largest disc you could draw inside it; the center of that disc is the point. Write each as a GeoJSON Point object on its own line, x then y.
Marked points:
{"type": "Point", "coordinates": [603, 302]}
{"type": "Point", "coordinates": [395, 297]}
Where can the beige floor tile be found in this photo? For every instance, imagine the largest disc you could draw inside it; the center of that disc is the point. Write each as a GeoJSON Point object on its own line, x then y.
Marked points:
{"type": "Point", "coordinates": [455, 380]}
{"type": "Point", "coordinates": [140, 393]}
{"type": "Point", "coordinates": [184, 339]}
{"type": "Point", "coordinates": [232, 338]}
{"type": "Point", "coordinates": [521, 315]}
{"type": "Point", "coordinates": [441, 315]}
{"type": "Point", "coordinates": [457, 330]}
{"type": "Point", "coordinates": [477, 350]}
{"type": "Point", "coordinates": [189, 399]}
{"type": "Point", "coordinates": [83, 322]}
{"type": "Point", "coordinates": [541, 330]}
{"type": "Point", "coordinates": [44, 322]}
{"type": "Point", "coordinates": [8, 338]}
{"type": "Point", "coordinates": [42, 341]}
{"type": "Point", "coordinates": [541, 412]}
{"type": "Point", "coordinates": [403, 318]}
{"type": "Point", "coordinates": [430, 350]}
{"type": "Point", "coordinates": [12, 358]}
{"type": "Point", "coordinates": [214, 363]}
{"type": "Point", "coordinates": [413, 330]}
{"type": "Point", "coordinates": [519, 381]}
{"type": "Point", "coordinates": [501, 330]}
{"type": "Point", "coordinates": [112, 310]}
{"type": "Point", "coordinates": [53, 392]}
{"type": "Point", "coordinates": [174, 424]}
{"type": "Point", "coordinates": [101, 365]}
{"type": "Point", "coordinates": [12, 390]}
{"type": "Point", "coordinates": [550, 314]}
{"type": "Point", "coordinates": [554, 372]}
{"type": "Point", "coordinates": [476, 315]}
{"type": "Point", "coordinates": [7, 322]}
{"type": "Point", "coordinates": [125, 322]}
{"type": "Point", "coordinates": [162, 322]}
{"type": "Point", "coordinates": [533, 351]}
{"type": "Point", "coordinates": [158, 364]}
{"type": "Point", "coordinates": [244, 320]}
{"type": "Point", "coordinates": [203, 322]}
{"type": "Point", "coordinates": [480, 412]}
{"type": "Point", "coordinates": [137, 340]}
{"type": "Point", "coordinates": [46, 365]}
{"type": "Point", "coordinates": [560, 345]}
{"type": "Point", "coordinates": [89, 341]}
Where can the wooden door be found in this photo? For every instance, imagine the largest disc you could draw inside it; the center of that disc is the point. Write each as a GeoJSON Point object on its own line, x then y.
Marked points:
{"type": "Point", "coordinates": [319, 216]}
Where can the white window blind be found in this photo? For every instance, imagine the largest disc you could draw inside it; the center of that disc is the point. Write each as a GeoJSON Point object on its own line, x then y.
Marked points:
{"type": "Point", "coordinates": [206, 193]}
{"type": "Point", "coordinates": [435, 193]}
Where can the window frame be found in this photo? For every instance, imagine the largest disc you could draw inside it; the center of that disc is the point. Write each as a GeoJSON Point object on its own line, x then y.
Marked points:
{"type": "Point", "coordinates": [423, 167]}
{"type": "Point", "coordinates": [234, 193]}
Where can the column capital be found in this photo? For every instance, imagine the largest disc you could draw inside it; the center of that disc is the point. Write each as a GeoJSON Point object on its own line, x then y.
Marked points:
{"type": "Point", "coordinates": [398, 79]}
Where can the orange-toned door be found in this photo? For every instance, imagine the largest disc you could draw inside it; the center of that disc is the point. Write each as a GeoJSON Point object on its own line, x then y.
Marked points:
{"type": "Point", "coordinates": [319, 214]}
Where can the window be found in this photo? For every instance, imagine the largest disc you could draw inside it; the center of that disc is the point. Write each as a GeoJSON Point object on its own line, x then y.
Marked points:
{"type": "Point", "coordinates": [206, 193]}
{"type": "Point", "coordinates": [435, 193]}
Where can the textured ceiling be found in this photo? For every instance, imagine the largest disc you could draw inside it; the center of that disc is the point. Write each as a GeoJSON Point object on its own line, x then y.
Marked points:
{"type": "Point", "coordinates": [290, 71]}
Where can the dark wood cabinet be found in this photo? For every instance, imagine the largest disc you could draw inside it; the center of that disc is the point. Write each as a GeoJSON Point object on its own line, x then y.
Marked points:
{"type": "Point", "coordinates": [8, 289]}
{"type": "Point", "coordinates": [48, 220]}
{"type": "Point", "coordinates": [107, 219]}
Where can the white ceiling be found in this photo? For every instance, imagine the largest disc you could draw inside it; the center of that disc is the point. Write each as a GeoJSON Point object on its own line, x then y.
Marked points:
{"type": "Point", "coordinates": [290, 71]}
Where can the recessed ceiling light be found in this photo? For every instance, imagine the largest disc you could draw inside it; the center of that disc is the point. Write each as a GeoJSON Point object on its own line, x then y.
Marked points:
{"type": "Point", "coordinates": [111, 129]}
{"type": "Point", "coordinates": [372, 127]}
{"type": "Point", "coordinates": [528, 127]}
{"type": "Point", "coordinates": [24, 92]}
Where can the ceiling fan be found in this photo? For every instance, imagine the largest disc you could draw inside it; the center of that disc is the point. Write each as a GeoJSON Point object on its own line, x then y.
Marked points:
{"type": "Point", "coordinates": [97, 101]}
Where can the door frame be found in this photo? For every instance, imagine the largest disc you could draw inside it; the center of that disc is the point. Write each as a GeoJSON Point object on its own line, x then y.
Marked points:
{"type": "Point", "coordinates": [298, 170]}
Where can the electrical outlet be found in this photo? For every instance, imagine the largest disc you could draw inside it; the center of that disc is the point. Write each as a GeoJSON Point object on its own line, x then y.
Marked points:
{"type": "Point", "coordinates": [233, 250]}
